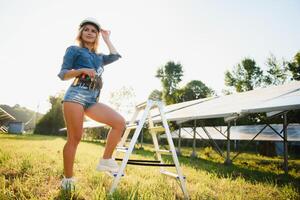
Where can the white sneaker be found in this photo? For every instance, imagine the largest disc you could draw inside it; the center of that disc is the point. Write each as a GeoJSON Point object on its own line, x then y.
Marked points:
{"type": "Point", "coordinates": [68, 184]}
{"type": "Point", "coordinates": [108, 165]}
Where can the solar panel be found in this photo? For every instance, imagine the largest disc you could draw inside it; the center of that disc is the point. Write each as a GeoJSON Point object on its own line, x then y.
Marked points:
{"type": "Point", "coordinates": [274, 98]}
{"type": "Point", "coordinates": [241, 133]}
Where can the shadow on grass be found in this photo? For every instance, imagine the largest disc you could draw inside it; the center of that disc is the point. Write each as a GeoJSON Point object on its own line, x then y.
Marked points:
{"type": "Point", "coordinates": [33, 137]}
{"type": "Point", "coordinates": [229, 171]}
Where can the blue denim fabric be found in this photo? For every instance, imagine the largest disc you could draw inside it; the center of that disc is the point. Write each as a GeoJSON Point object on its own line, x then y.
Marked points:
{"type": "Point", "coordinates": [79, 57]}
{"type": "Point", "coordinates": [82, 95]}
{"type": "Point", "coordinates": [76, 58]}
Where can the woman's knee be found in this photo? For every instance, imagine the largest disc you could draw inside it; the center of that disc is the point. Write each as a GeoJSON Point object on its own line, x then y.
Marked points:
{"type": "Point", "coordinates": [73, 142]}
{"type": "Point", "coordinates": [120, 124]}
{"type": "Point", "coordinates": [74, 138]}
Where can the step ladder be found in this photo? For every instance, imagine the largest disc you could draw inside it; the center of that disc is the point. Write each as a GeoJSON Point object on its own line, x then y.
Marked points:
{"type": "Point", "coordinates": [147, 107]}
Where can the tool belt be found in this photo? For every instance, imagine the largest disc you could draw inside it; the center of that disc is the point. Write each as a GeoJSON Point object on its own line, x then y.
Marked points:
{"type": "Point", "coordinates": [86, 82]}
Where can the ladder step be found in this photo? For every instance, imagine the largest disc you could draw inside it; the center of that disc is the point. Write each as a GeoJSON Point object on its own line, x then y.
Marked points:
{"type": "Point", "coordinates": [152, 163]}
{"type": "Point", "coordinates": [122, 149]}
{"type": "Point", "coordinates": [164, 151]}
{"type": "Point", "coordinates": [157, 129]}
{"type": "Point", "coordinates": [131, 126]}
{"type": "Point", "coordinates": [118, 147]}
{"type": "Point", "coordinates": [171, 174]}
{"type": "Point", "coordinates": [145, 161]}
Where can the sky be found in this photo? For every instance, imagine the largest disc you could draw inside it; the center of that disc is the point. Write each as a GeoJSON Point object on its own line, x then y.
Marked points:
{"type": "Point", "coordinates": [206, 37]}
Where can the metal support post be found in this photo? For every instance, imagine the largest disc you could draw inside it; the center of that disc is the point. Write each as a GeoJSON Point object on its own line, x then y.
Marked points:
{"type": "Point", "coordinates": [228, 161]}
{"type": "Point", "coordinates": [285, 143]}
{"type": "Point", "coordinates": [194, 154]}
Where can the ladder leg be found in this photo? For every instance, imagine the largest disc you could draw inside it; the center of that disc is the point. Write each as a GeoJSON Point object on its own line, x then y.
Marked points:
{"type": "Point", "coordinates": [172, 148]}
{"type": "Point", "coordinates": [156, 146]}
{"type": "Point", "coordinates": [127, 131]}
{"type": "Point", "coordinates": [154, 138]}
{"type": "Point", "coordinates": [130, 149]}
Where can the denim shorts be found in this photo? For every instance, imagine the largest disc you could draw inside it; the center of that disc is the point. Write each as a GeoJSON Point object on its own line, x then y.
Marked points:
{"type": "Point", "coordinates": [82, 95]}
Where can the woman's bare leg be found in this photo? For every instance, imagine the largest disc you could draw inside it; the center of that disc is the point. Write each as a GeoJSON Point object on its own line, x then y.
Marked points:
{"type": "Point", "coordinates": [104, 114]}
{"type": "Point", "coordinates": [73, 114]}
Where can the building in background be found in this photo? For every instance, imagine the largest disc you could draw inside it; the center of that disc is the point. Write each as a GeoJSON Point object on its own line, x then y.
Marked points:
{"type": "Point", "coordinates": [16, 127]}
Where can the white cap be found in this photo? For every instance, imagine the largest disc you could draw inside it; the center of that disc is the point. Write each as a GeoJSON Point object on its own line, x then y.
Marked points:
{"type": "Point", "coordinates": [92, 21]}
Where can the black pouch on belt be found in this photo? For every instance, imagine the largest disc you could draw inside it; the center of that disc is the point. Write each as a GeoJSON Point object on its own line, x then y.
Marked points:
{"type": "Point", "coordinates": [97, 83]}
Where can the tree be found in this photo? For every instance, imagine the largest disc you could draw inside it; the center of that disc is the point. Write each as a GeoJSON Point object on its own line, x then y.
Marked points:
{"type": "Point", "coordinates": [226, 92]}
{"type": "Point", "coordinates": [245, 76]}
{"type": "Point", "coordinates": [155, 95]}
{"type": "Point", "coordinates": [195, 89]}
{"type": "Point", "coordinates": [123, 100]}
{"type": "Point", "coordinates": [53, 120]}
{"type": "Point", "coordinates": [277, 71]}
{"type": "Point", "coordinates": [170, 75]}
{"type": "Point", "coordinates": [294, 67]}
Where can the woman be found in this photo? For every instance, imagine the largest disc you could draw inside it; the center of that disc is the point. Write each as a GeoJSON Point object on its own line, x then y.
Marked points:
{"type": "Point", "coordinates": [85, 65]}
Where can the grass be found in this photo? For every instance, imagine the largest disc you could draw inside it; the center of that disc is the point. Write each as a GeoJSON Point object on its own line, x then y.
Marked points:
{"type": "Point", "coordinates": [31, 168]}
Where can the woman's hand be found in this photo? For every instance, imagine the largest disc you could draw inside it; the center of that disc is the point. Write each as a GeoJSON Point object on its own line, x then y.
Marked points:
{"type": "Point", "coordinates": [105, 34]}
{"type": "Point", "coordinates": [90, 72]}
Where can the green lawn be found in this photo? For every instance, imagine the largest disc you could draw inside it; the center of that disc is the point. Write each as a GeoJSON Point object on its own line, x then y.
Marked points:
{"type": "Point", "coordinates": [31, 168]}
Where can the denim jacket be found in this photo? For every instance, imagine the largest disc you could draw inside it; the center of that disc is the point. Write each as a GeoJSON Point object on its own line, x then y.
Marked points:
{"type": "Point", "coordinates": [79, 57]}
